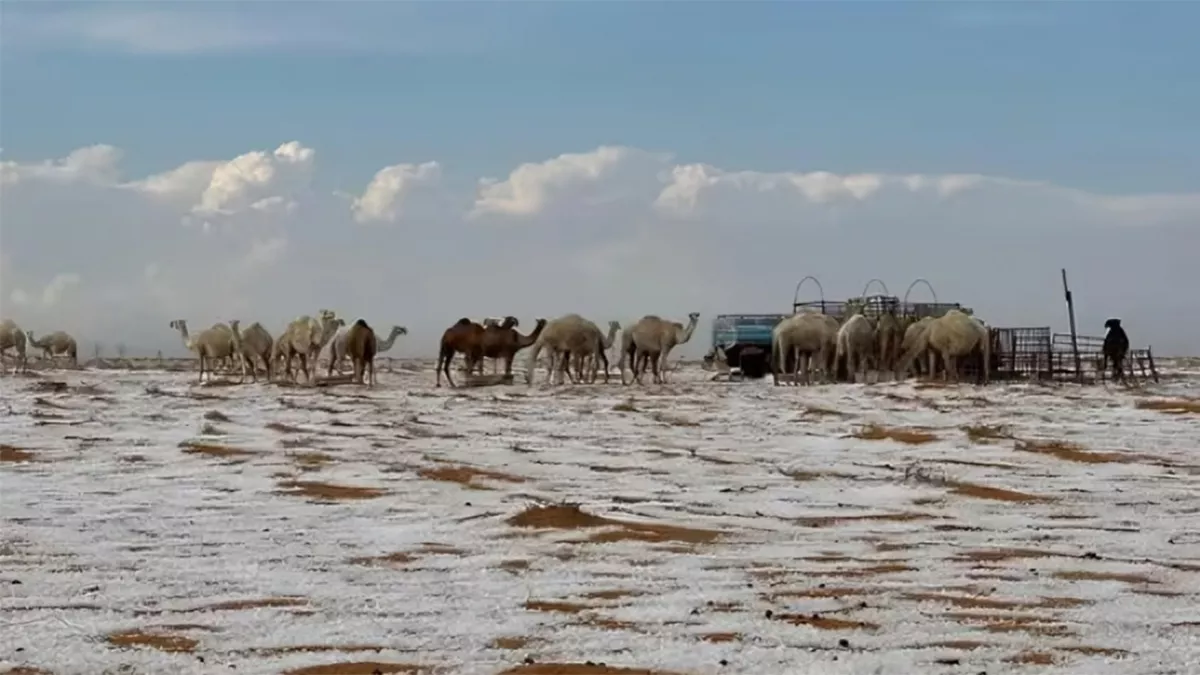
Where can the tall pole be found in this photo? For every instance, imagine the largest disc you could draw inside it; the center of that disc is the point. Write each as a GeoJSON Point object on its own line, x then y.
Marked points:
{"type": "Point", "coordinates": [1074, 336]}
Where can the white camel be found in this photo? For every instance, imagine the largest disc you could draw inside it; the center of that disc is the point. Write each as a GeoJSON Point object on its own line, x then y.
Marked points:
{"type": "Point", "coordinates": [806, 337]}
{"type": "Point", "coordinates": [887, 342]}
{"type": "Point", "coordinates": [651, 340]}
{"type": "Point", "coordinates": [304, 338]}
{"type": "Point", "coordinates": [566, 336]}
{"type": "Point", "coordinates": [11, 337]}
{"type": "Point", "coordinates": [54, 344]}
{"type": "Point", "coordinates": [338, 346]}
{"type": "Point", "coordinates": [590, 362]}
{"type": "Point", "coordinates": [210, 345]}
{"type": "Point", "coordinates": [251, 344]}
{"type": "Point", "coordinates": [914, 342]}
{"type": "Point", "coordinates": [953, 335]}
{"type": "Point", "coordinates": [856, 344]}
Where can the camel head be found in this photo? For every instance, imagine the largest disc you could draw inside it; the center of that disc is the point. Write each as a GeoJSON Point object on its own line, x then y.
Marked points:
{"type": "Point", "coordinates": [510, 322]}
{"type": "Point", "coordinates": [233, 324]}
{"type": "Point", "coordinates": [1108, 325]}
{"type": "Point", "coordinates": [399, 330]}
{"type": "Point", "coordinates": [179, 324]}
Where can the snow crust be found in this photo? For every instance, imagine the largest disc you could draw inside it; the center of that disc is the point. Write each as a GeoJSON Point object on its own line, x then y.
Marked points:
{"type": "Point", "coordinates": [111, 526]}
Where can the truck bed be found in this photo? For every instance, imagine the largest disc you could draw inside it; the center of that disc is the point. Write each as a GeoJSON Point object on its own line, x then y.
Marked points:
{"type": "Point", "coordinates": [745, 329]}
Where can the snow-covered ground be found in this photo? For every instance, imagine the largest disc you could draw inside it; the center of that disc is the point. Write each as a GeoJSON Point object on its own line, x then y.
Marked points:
{"type": "Point", "coordinates": [153, 526]}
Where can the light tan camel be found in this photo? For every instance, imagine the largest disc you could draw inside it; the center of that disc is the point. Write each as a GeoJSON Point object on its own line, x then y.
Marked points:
{"type": "Point", "coordinates": [953, 335]}
{"type": "Point", "coordinates": [588, 363]}
{"type": "Point", "coordinates": [806, 337]}
{"type": "Point", "coordinates": [856, 344]}
{"type": "Point", "coordinates": [11, 337]}
{"type": "Point", "coordinates": [887, 342]}
{"type": "Point", "coordinates": [566, 336]}
{"type": "Point", "coordinates": [361, 347]}
{"type": "Point", "coordinates": [250, 344]}
{"type": "Point", "coordinates": [209, 345]}
{"type": "Point", "coordinates": [914, 341]}
{"type": "Point", "coordinates": [304, 338]}
{"type": "Point", "coordinates": [337, 346]}
{"type": "Point", "coordinates": [652, 339]}
{"type": "Point", "coordinates": [54, 344]}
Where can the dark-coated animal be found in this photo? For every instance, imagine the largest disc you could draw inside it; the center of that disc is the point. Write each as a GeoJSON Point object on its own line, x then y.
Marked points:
{"type": "Point", "coordinates": [501, 342]}
{"type": "Point", "coordinates": [361, 345]}
{"type": "Point", "coordinates": [1116, 347]}
{"type": "Point", "coordinates": [494, 335]}
{"type": "Point", "coordinates": [465, 337]}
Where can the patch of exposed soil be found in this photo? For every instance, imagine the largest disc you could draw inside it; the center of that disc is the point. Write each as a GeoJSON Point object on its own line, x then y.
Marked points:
{"type": "Point", "coordinates": [824, 521]}
{"type": "Point", "coordinates": [512, 642]}
{"type": "Point", "coordinates": [998, 494]}
{"type": "Point", "coordinates": [312, 460]}
{"type": "Point", "coordinates": [317, 649]}
{"type": "Point", "coordinates": [1085, 575]}
{"type": "Point", "coordinates": [869, 571]}
{"type": "Point", "coordinates": [825, 622]}
{"type": "Point", "coordinates": [255, 603]}
{"type": "Point", "coordinates": [467, 476]}
{"type": "Point", "coordinates": [1073, 452]}
{"type": "Point", "coordinates": [962, 645]}
{"type": "Point", "coordinates": [977, 602]}
{"type": "Point", "coordinates": [721, 637]}
{"type": "Point", "coordinates": [588, 668]}
{"type": "Point", "coordinates": [570, 516]}
{"type": "Point", "coordinates": [555, 606]}
{"type": "Point", "coordinates": [164, 642]}
{"type": "Point", "coordinates": [875, 432]}
{"type": "Point", "coordinates": [999, 554]}
{"type": "Point", "coordinates": [827, 592]}
{"type": "Point", "coordinates": [1032, 658]}
{"type": "Point", "coordinates": [329, 491]}
{"type": "Point", "coordinates": [25, 670]}
{"type": "Point", "coordinates": [984, 432]}
{"type": "Point", "coordinates": [1175, 406]}
{"type": "Point", "coordinates": [217, 451]}
{"type": "Point", "coordinates": [360, 668]}
{"type": "Point", "coordinates": [11, 453]}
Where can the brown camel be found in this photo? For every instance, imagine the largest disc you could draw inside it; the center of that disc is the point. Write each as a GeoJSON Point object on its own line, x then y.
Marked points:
{"type": "Point", "coordinates": [464, 337]}
{"type": "Point", "coordinates": [504, 343]}
{"type": "Point", "coordinates": [495, 333]}
{"type": "Point", "coordinates": [361, 346]}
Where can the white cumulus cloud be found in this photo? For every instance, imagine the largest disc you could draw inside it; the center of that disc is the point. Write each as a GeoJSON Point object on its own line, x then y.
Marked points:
{"type": "Point", "coordinates": [384, 198]}
{"type": "Point", "coordinates": [612, 232]}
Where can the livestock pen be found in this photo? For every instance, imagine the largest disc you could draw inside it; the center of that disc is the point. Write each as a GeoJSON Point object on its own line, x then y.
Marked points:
{"type": "Point", "coordinates": [1018, 352]}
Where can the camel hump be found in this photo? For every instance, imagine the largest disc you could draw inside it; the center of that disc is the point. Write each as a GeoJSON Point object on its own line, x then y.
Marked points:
{"type": "Point", "coordinates": [361, 324]}
{"type": "Point", "coordinates": [463, 322]}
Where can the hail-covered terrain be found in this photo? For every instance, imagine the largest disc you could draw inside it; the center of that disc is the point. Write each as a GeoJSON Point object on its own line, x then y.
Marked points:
{"type": "Point", "coordinates": [148, 525]}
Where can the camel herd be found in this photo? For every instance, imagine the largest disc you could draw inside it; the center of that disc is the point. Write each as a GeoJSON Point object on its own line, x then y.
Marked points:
{"type": "Point", "coordinates": [576, 347]}
{"type": "Point", "coordinates": [55, 344]}
{"type": "Point", "coordinates": [811, 340]}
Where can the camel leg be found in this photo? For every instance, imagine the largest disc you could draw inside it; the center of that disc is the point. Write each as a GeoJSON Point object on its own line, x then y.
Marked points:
{"type": "Point", "coordinates": [951, 363]}
{"type": "Point", "coordinates": [304, 366]}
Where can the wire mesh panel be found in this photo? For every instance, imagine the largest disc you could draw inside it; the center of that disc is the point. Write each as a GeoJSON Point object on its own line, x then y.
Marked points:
{"type": "Point", "coordinates": [1022, 352]}
{"type": "Point", "coordinates": [1091, 356]}
{"type": "Point", "coordinates": [873, 306]}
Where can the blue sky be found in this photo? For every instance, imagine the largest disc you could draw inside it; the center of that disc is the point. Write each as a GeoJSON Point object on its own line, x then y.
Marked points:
{"type": "Point", "coordinates": [1096, 97]}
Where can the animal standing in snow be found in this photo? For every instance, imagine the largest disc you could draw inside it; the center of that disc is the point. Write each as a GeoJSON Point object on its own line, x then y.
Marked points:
{"type": "Point", "coordinates": [1116, 346]}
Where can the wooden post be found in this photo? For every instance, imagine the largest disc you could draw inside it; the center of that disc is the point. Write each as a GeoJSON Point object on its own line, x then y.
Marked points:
{"type": "Point", "coordinates": [1074, 335]}
{"type": "Point", "coordinates": [1150, 358]}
